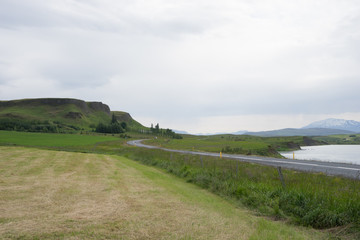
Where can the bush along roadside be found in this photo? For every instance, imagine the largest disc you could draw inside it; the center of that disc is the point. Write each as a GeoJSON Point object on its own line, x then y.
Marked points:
{"type": "Point", "coordinates": [309, 199]}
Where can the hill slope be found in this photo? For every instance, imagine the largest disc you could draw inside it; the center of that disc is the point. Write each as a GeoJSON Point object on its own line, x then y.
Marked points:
{"type": "Point", "coordinates": [64, 114]}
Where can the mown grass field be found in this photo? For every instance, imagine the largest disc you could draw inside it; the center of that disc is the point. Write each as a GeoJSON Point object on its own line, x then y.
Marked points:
{"type": "Point", "coordinates": [62, 195]}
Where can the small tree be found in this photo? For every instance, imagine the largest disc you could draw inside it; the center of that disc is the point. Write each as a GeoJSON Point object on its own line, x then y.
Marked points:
{"type": "Point", "coordinates": [123, 125]}
{"type": "Point", "coordinates": [157, 128]}
{"type": "Point", "coordinates": [113, 119]}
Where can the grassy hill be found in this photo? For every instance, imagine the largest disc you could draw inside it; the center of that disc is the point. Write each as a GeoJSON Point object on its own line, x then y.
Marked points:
{"type": "Point", "coordinates": [58, 115]}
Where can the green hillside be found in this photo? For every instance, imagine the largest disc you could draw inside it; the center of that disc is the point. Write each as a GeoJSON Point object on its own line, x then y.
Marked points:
{"type": "Point", "coordinates": [57, 115]}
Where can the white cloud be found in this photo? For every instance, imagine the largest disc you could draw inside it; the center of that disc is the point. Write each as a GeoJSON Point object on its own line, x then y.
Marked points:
{"type": "Point", "coordinates": [190, 60]}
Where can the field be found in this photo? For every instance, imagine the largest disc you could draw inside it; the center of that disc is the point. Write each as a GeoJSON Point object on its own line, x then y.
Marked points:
{"type": "Point", "coordinates": [61, 195]}
{"type": "Point", "coordinates": [331, 204]}
{"type": "Point", "coordinates": [51, 139]}
{"type": "Point", "coordinates": [340, 139]}
{"type": "Point", "coordinates": [242, 144]}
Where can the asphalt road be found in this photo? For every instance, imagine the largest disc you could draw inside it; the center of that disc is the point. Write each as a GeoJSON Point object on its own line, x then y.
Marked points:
{"type": "Point", "coordinates": [329, 168]}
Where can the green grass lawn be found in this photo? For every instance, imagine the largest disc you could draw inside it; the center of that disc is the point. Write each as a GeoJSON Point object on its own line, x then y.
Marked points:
{"type": "Point", "coordinates": [50, 139]}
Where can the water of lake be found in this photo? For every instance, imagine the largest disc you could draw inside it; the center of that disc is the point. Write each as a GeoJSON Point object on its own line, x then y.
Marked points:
{"type": "Point", "coordinates": [328, 153]}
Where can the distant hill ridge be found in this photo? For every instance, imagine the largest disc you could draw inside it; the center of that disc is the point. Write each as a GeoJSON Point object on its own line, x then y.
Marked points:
{"type": "Point", "coordinates": [287, 132]}
{"type": "Point", "coordinates": [331, 126]}
{"type": "Point", "coordinates": [63, 113]}
{"type": "Point", "coordinates": [84, 106]}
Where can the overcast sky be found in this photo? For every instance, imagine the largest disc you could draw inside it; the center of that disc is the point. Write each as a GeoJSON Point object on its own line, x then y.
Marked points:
{"type": "Point", "coordinates": [194, 65]}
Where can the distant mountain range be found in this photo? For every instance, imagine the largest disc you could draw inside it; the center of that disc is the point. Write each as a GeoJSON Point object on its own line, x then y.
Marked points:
{"type": "Point", "coordinates": [180, 131]}
{"type": "Point", "coordinates": [333, 123]}
{"type": "Point", "coordinates": [208, 134]}
{"type": "Point", "coordinates": [299, 132]}
{"type": "Point", "coordinates": [325, 127]}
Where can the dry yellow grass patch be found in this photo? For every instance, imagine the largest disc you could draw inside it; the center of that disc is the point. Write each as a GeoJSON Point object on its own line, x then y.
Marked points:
{"type": "Point", "coordinates": [62, 195]}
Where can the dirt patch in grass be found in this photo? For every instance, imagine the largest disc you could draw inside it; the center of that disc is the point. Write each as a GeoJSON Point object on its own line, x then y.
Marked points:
{"type": "Point", "coordinates": [61, 195]}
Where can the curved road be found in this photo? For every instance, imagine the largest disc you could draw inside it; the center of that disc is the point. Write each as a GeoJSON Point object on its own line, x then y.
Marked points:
{"type": "Point", "coordinates": [329, 168]}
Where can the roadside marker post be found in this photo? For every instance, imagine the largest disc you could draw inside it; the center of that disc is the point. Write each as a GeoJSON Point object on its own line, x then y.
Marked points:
{"type": "Point", "coordinates": [237, 168]}
{"type": "Point", "coordinates": [281, 177]}
{"type": "Point", "coordinates": [220, 154]}
{"type": "Point", "coordinates": [293, 155]}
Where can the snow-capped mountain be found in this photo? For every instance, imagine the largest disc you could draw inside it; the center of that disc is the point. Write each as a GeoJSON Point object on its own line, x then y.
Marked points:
{"type": "Point", "coordinates": [334, 123]}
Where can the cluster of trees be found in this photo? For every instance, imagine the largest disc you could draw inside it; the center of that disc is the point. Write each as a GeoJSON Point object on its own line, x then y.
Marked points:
{"type": "Point", "coordinates": [113, 127]}
{"type": "Point", "coordinates": [164, 132]}
{"type": "Point", "coordinates": [35, 126]}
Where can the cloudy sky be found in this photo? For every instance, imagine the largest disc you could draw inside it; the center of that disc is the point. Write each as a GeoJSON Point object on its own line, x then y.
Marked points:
{"type": "Point", "coordinates": [194, 65]}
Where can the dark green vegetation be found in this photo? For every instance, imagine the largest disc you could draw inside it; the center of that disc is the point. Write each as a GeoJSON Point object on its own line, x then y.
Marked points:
{"type": "Point", "coordinates": [114, 126]}
{"type": "Point", "coordinates": [157, 131]}
{"type": "Point", "coordinates": [340, 139]}
{"type": "Point", "coordinates": [58, 115]}
{"type": "Point", "coordinates": [242, 144]}
{"type": "Point", "coordinates": [309, 199]}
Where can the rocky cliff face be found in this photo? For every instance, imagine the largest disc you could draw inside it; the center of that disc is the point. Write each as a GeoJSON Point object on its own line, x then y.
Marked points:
{"type": "Point", "coordinates": [122, 116]}
{"type": "Point", "coordinates": [84, 106]}
{"type": "Point", "coordinates": [99, 106]}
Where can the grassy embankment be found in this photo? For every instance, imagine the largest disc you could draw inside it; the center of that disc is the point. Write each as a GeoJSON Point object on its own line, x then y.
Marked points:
{"type": "Point", "coordinates": [63, 195]}
{"type": "Point", "coordinates": [309, 199]}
